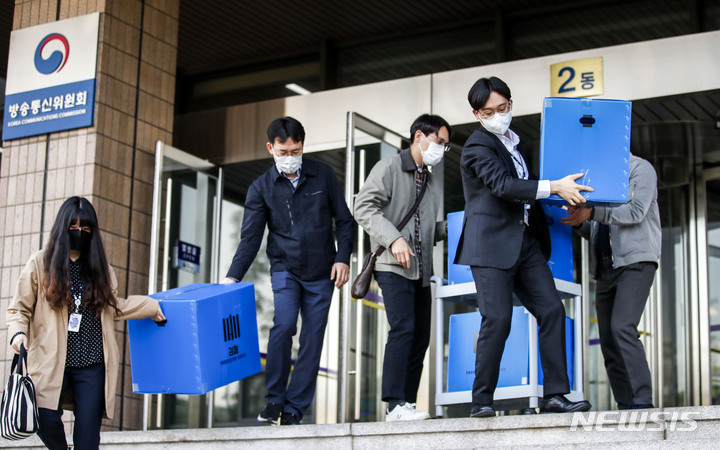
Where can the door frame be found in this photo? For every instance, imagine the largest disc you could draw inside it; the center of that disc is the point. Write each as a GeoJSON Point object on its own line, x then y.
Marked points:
{"type": "Point", "coordinates": [702, 392]}
{"type": "Point", "coordinates": [186, 160]}
{"type": "Point", "coordinates": [376, 132]}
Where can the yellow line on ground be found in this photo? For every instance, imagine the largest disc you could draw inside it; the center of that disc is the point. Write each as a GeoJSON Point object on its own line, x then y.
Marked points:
{"type": "Point", "coordinates": [371, 304]}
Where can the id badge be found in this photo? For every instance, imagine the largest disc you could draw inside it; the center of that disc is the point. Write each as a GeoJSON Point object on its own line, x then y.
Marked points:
{"type": "Point", "coordinates": [74, 323]}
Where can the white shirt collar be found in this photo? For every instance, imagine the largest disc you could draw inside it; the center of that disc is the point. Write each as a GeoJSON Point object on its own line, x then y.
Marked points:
{"type": "Point", "coordinates": [509, 141]}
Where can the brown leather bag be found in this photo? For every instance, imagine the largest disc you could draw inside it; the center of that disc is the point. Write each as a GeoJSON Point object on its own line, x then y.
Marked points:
{"type": "Point", "coordinates": [361, 284]}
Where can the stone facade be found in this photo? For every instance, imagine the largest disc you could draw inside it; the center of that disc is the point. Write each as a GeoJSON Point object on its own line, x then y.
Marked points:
{"type": "Point", "coordinates": [110, 163]}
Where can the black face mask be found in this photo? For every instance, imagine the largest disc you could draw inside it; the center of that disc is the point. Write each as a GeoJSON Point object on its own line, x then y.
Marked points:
{"type": "Point", "coordinates": [79, 239]}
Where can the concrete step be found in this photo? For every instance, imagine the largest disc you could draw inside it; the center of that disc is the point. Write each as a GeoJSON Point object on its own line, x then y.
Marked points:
{"type": "Point", "coordinates": [683, 428]}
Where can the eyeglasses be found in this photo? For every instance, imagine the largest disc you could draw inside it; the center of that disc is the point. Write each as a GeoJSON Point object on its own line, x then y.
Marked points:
{"type": "Point", "coordinates": [85, 228]}
{"type": "Point", "coordinates": [285, 152]}
{"type": "Point", "coordinates": [488, 113]}
{"type": "Point", "coordinates": [445, 145]}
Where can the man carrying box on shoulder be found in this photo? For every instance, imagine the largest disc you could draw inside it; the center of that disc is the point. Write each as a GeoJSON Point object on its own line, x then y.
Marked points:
{"type": "Point", "coordinates": [298, 201]}
{"type": "Point", "coordinates": [506, 243]}
{"type": "Point", "coordinates": [625, 241]}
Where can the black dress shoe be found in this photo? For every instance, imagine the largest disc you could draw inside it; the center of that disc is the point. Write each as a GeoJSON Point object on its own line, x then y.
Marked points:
{"type": "Point", "coordinates": [641, 406]}
{"type": "Point", "coordinates": [482, 411]}
{"type": "Point", "coordinates": [559, 404]}
{"type": "Point", "coordinates": [528, 412]}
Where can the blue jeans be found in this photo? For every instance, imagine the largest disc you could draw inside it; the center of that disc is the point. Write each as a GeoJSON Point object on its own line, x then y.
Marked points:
{"type": "Point", "coordinates": [87, 386]}
{"type": "Point", "coordinates": [311, 300]}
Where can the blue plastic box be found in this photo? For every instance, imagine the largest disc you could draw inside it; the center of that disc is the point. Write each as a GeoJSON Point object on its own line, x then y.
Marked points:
{"type": "Point", "coordinates": [210, 340]}
{"type": "Point", "coordinates": [561, 258]}
{"type": "Point", "coordinates": [515, 362]}
{"type": "Point", "coordinates": [569, 354]}
{"type": "Point", "coordinates": [457, 273]}
{"type": "Point", "coordinates": [590, 136]}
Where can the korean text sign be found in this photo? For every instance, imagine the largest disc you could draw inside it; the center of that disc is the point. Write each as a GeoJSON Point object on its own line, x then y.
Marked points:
{"type": "Point", "coordinates": [51, 77]}
{"type": "Point", "coordinates": [577, 78]}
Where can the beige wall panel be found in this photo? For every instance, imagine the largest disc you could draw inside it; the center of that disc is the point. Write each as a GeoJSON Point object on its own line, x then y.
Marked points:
{"type": "Point", "coordinates": [394, 104]}
{"type": "Point", "coordinates": [631, 71]}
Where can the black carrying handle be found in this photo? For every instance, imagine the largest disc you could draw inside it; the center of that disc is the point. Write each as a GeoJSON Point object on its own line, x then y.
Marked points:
{"type": "Point", "coordinates": [17, 359]}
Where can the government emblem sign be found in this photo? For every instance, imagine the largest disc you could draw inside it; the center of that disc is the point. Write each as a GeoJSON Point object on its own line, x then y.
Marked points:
{"type": "Point", "coordinates": [51, 77]}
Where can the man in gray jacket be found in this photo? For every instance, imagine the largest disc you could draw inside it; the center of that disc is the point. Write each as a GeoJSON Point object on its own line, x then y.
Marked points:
{"type": "Point", "coordinates": [403, 271]}
{"type": "Point", "coordinates": [625, 242]}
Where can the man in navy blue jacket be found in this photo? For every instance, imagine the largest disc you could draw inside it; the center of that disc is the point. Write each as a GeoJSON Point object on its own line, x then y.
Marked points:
{"type": "Point", "coordinates": [298, 201]}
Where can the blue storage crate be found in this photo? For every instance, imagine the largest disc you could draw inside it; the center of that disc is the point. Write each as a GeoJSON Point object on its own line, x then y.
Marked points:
{"type": "Point", "coordinates": [457, 273]}
{"type": "Point", "coordinates": [569, 354]}
{"type": "Point", "coordinates": [462, 339]}
{"type": "Point", "coordinates": [590, 136]}
{"type": "Point", "coordinates": [515, 362]}
{"type": "Point", "coordinates": [561, 258]}
{"type": "Point", "coordinates": [209, 341]}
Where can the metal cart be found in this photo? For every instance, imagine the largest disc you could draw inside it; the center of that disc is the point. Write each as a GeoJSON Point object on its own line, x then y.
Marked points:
{"type": "Point", "coordinates": [529, 394]}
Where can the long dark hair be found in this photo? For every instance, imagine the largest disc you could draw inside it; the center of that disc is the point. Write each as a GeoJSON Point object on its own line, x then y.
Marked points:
{"type": "Point", "coordinates": [97, 290]}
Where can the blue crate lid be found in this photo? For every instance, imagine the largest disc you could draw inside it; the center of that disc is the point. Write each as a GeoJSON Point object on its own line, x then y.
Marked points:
{"type": "Point", "coordinates": [198, 291]}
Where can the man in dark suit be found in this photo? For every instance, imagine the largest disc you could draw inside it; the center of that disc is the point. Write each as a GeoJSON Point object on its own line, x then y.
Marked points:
{"type": "Point", "coordinates": [506, 242]}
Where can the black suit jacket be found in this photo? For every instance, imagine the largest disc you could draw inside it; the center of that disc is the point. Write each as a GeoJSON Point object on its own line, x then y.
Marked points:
{"type": "Point", "coordinates": [494, 202]}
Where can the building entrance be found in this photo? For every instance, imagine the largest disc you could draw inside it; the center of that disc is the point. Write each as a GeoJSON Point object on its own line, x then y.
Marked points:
{"type": "Point", "coordinates": [364, 326]}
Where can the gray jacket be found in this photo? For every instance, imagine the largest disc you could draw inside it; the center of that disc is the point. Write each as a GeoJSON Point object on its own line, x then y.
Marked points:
{"type": "Point", "coordinates": [635, 233]}
{"type": "Point", "coordinates": [381, 204]}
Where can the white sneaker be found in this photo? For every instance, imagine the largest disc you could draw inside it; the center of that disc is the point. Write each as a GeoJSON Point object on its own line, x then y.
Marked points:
{"type": "Point", "coordinates": [405, 411]}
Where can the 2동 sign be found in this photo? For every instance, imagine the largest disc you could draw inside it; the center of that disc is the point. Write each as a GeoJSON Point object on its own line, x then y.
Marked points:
{"type": "Point", "coordinates": [51, 77]}
{"type": "Point", "coordinates": [577, 78]}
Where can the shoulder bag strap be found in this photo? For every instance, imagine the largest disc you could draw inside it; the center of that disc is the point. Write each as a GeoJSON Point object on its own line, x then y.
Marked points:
{"type": "Point", "coordinates": [379, 251]}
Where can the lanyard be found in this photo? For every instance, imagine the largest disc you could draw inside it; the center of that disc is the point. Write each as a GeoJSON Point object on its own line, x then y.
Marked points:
{"type": "Point", "coordinates": [77, 297]}
{"type": "Point", "coordinates": [519, 163]}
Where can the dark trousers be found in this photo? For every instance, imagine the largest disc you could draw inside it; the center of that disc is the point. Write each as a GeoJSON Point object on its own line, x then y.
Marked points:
{"type": "Point", "coordinates": [408, 306]}
{"type": "Point", "coordinates": [311, 300]}
{"type": "Point", "coordinates": [530, 278]}
{"type": "Point", "coordinates": [87, 385]}
{"type": "Point", "coordinates": [620, 301]}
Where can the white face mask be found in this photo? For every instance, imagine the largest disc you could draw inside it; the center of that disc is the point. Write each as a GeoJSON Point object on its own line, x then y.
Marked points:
{"type": "Point", "coordinates": [498, 123]}
{"type": "Point", "coordinates": [434, 153]}
{"type": "Point", "coordinates": [288, 164]}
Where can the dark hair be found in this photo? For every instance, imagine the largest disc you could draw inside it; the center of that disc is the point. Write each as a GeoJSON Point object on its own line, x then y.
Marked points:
{"type": "Point", "coordinates": [480, 91]}
{"type": "Point", "coordinates": [97, 290]}
{"type": "Point", "coordinates": [429, 123]}
{"type": "Point", "coordinates": [285, 127]}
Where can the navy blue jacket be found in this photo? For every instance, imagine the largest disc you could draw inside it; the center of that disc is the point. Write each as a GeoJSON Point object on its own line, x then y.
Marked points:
{"type": "Point", "coordinates": [300, 223]}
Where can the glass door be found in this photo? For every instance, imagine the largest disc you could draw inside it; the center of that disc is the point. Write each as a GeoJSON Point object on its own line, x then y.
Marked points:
{"type": "Point", "coordinates": [187, 204]}
{"type": "Point", "coordinates": [363, 322]}
{"type": "Point", "coordinates": [712, 224]}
